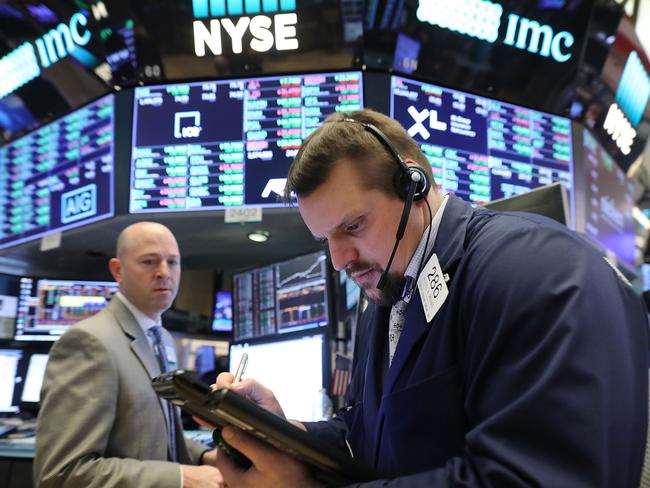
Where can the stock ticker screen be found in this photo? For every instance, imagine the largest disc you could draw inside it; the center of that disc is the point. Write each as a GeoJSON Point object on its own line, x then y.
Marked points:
{"type": "Point", "coordinates": [47, 308]}
{"type": "Point", "coordinates": [284, 297]}
{"type": "Point", "coordinates": [211, 145]}
{"type": "Point", "coordinates": [482, 149]}
{"type": "Point", "coordinates": [58, 177]}
{"type": "Point", "coordinates": [609, 201]}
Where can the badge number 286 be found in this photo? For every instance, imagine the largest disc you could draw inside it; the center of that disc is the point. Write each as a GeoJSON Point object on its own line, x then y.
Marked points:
{"type": "Point", "coordinates": [432, 287]}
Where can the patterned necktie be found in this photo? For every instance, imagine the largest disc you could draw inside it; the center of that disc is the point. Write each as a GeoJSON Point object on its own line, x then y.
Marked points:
{"type": "Point", "coordinates": [156, 333]}
{"type": "Point", "coordinates": [396, 324]}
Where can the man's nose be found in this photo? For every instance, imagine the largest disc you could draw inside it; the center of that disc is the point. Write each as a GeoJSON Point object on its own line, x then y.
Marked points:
{"type": "Point", "coordinates": [341, 254]}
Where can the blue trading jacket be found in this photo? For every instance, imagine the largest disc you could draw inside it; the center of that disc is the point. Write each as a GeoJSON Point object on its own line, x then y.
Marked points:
{"type": "Point", "coordinates": [532, 374]}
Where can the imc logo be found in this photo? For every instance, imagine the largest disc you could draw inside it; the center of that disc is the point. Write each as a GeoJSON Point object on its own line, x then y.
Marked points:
{"type": "Point", "coordinates": [265, 24]}
{"type": "Point", "coordinates": [482, 19]}
{"type": "Point", "coordinates": [634, 89]}
{"type": "Point", "coordinates": [78, 204]}
{"type": "Point", "coordinates": [21, 65]}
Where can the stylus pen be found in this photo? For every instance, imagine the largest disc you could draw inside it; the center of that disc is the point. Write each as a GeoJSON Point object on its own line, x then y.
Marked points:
{"type": "Point", "coordinates": [241, 368]}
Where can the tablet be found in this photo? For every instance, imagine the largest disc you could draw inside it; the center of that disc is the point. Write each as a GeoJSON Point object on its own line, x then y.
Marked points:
{"type": "Point", "coordinates": [225, 407]}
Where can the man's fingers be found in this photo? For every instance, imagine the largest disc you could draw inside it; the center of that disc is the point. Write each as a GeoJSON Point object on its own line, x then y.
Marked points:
{"type": "Point", "coordinates": [224, 380]}
{"type": "Point", "coordinates": [259, 453]}
{"type": "Point", "coordinates": [228, 468]}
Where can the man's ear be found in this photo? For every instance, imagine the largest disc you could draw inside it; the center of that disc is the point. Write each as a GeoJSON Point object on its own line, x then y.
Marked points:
{"type": "Point", "coordinates": [115, 267]}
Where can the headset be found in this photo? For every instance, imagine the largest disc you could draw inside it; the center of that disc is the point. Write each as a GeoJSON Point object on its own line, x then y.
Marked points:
{"type": "Point", "coordinates": [411, 184]}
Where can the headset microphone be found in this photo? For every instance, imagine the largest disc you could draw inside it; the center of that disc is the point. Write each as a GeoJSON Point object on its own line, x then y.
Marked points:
{"type": "Point", "coordinates": [415, 179]}
{"type": "Point", "coordinates": [411, 183]}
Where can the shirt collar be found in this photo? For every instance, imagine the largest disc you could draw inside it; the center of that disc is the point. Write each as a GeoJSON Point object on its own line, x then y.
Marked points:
{"type": "Point", "coordinates": [143, 321]}
{"type": "Point", "coordinates": [421, 253]}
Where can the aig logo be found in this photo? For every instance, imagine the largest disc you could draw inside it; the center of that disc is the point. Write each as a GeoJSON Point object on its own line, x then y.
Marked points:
{"type": "Point", "coordinates": [263, 24]}
{"type": "Point", "coordinates": [78, 204]}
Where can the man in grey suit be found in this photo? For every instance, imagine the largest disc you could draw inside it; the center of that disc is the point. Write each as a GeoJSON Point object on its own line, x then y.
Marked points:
{"type": "Point", "coordinates": [100, 423]}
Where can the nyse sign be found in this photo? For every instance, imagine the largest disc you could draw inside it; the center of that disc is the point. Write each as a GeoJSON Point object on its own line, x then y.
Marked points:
{"type": "Point", "coordinates": [261, 25]}
{"type": "Point", "coordinates": [265, 33]}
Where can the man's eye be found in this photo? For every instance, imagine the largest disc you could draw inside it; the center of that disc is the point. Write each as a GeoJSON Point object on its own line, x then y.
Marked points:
{"type": "Point", "coordinates": [353, 227]}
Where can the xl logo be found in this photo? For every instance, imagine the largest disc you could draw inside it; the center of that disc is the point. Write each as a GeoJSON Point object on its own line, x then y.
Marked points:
{"type": "Point", "coordinates": [78, 204]}
{"type": "Point", "coordinates": [253, 21]}
{"type": "Point", "coordinates": [419, 117]}
{"type": "Point", "coordinates": [188, 131]}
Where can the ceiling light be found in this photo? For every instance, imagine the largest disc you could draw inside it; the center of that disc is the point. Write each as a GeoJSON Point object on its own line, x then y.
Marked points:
{"type": "Point", "coordinates": [259, 236]}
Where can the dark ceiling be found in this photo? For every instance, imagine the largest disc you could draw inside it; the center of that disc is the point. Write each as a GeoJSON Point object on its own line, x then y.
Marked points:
{"type": "Point", "coordinates": [205, 241]}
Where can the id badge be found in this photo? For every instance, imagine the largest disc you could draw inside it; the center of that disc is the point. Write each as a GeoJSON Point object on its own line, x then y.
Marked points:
{"type": "Point", "coordinates": [432, 288]}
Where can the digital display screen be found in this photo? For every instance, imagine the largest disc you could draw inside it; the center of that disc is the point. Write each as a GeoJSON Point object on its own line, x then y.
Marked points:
{"type": "Point", "coordinates": [211, 145]}
{"type": "Point", "coordinates": [482, 149]}
{"type": "Point", "coordinates": [271, 363]}
{"type": "Point", "coordinates": [21, 378]}
{"type": "Point", "coordinates": [47, 308]}
{"type": "Point", "coordinates": [284, 297]}
{"type": "Point", "coordinates": [9, 290]}
{"type": "Point", "coordinates": [58, 177]}
{"type": "Point", "coordinates": [609, 201]}
{"type": "Point", "coordinates": [222, 316]}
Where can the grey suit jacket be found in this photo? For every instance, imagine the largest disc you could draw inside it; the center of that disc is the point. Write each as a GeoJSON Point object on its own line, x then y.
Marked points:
{"type": "Point", "coordinates": [100, 423]}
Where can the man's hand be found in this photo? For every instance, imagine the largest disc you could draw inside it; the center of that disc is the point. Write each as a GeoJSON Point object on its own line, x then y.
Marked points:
{"type": "Point", "coordinates": [203, 476]}
{"type": "Point", "coordinates": [271, 468]}
{"type": "Point", "coordinates": [251, 389]}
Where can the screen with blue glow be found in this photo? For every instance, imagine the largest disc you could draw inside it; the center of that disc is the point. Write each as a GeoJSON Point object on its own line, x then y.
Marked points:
{"type": "Point", "coordinates": [211, 145]}
{"type": "Point", "coordinates": [482, 149]}
{"type": "Point", "coordinates": [222, 316]}
{"type": "Point", "coordinates": [284, 297]}
{"type": "Point", "coordinates": [47, 308]}
{"type": "Point", "coordinates": [58, 177]}
{"type": "Point", "coordinates": [609, 202]}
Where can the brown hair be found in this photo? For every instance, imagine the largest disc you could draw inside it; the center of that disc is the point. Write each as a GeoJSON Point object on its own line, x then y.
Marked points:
{"type": "Point", "coordinates": [336, 140]}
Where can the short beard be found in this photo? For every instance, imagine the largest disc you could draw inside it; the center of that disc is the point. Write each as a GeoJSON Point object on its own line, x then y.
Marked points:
{"type": "Point", "coordinates": [393, 288]}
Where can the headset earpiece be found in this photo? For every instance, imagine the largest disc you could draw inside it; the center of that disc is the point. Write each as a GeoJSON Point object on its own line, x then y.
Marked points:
{"type": "Point", "coordinates": [406, 174]}
{"type": "Point", "coordinates": [412, 175]}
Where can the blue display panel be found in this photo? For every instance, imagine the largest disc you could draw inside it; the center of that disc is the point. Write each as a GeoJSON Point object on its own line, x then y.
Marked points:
{"type": "Point", "coordinates": [47, 308]}
{"type": "Point", "coordinates": [284, 297]}
{"type": "Point", "coordinates": [210, 145]}
{"type": "Point", "coordinates": [483, 149]}
{"type": "Point", "coordinates": [58, 177]}
{"type": "Point", "coordinates": [222, 315]}
{"type": "Point", "coordinates": [609, 201]}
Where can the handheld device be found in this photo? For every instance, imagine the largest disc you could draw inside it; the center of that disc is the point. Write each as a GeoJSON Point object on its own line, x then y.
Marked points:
{"type": "Point", "coordinates": [225, 407]}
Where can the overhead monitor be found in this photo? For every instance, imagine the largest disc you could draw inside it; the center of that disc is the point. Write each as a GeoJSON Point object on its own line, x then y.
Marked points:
{"type": "Point", "coordinates": [47, 308]}
{"type": "Point", "coordinates": [222, 316]}
{"type": "Point", "coordinates": [217, 144]}
{"type": "Point", "coordinates": [550, 201]}
{"type": "Point", "coordinates": [58, 177]}
{"type": "Point", "coordinates": [482, 149]}
{"type": "Point", "coordinates": [9, 291]}
{"type": "Point", "coordinates": [607, 203]}
{"type": "Point", "coordinates": [294, 369]}
{"type": "Point", "coordinates": [21, 377]}
{"type": "Point", "coordinates": [283, 297]}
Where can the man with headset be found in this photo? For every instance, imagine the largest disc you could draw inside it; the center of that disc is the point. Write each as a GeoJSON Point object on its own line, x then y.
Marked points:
{"type": "Point", "coordinates": [500, 349]}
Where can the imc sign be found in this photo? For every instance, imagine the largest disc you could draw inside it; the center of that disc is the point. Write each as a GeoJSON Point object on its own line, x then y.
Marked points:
{"type": "Point", "coordinates": [263, 24]}
{"type": "Point", "coordinates": [78, 204]}
{"type": "Point", "coordinates": [482, 20]}
{"type": "Point", "coordinates": [24, 63]}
